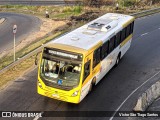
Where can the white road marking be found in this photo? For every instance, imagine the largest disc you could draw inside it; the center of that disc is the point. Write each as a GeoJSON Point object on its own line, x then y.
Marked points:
{"type": "Point", "coordinates": [144, 34]}
{"type": "Point", "coordinates": [159, 28]}
{"type": "Point", "coordinates": [131, 95]}
{"type": "Point", "coordinates": [37, 117]}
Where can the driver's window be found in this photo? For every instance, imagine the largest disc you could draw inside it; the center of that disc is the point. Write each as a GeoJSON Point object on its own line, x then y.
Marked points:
{"type": "Point", "coordinates": [87, 69]}
{"type": "Point", "coordinates": [50, 69]}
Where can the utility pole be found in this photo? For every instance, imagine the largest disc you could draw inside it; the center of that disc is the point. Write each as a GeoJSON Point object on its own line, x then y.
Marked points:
{"type": "Point", "coordinates": [14, 46]}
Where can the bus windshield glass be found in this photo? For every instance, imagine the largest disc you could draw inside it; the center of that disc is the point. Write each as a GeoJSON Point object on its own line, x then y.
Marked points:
{"type": "Point", "coordinates": [61, 73]}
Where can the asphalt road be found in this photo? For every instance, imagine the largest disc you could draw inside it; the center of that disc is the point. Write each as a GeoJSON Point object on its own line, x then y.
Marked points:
{"type": "Point", "coordinates": [26, 25]}
{"type": "Point", "coordinates": [118, 90]}
{"type": "Point", "coordinates": [36, 2]}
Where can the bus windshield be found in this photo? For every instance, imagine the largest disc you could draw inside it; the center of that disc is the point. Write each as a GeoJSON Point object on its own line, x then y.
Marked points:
{"type": "Point", "coordinates": [61, 73]}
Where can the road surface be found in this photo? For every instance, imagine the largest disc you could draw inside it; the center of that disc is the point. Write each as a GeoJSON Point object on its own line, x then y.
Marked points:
{"type": "Point", "coordinates": [26, 24]}
{"type": "Point", "coordinates": [118, 90]}
{"type": "Point", "coordinates": [38, 2]}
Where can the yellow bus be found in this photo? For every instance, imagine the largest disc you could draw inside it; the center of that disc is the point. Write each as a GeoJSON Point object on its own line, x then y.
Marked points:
{"type": "Point", "coordinates": [72, 64]}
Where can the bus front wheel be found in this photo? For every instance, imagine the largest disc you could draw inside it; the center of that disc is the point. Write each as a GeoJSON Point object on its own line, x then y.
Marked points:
{"type": "Point", "coordinates": [92, 84]}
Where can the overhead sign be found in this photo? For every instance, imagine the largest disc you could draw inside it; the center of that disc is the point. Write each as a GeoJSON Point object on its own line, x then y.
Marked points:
{"type": "Point", "coordinates": [63, 54]}
{"type": "Point", "coordinates": [14, 29]}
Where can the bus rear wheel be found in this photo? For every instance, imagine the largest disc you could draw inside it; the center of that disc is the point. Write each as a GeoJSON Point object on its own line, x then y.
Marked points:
{"type": "Point", "coordinates": [117, 60]}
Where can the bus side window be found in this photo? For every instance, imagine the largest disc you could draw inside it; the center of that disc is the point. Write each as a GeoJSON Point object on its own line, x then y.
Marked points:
{"type": "Point", "coordinates": [132, 26]}
{"type": "Point", "coordinates": [96, 57]}
{"type": "Point", "coordinates": [123, 34]}
{"type": "Point", "coordinates": [118, 39]}
{"type": "Point", "coordinates": [87, 69]}
{"type": "Point", "coordinates": [111, 44]}
{"type": "Point", "coordinates": [128, 30]}
{"type": "Point", "coordinates": [104, 50]}
{"type": "Point", "coordinates": [114, 39]}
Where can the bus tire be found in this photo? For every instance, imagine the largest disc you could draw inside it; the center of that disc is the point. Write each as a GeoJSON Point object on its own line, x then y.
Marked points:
{"type": "Point", "coordinates": [92, 84]}
{"type": "Point", "coordinates": [90, 88]}
{"type": "Point", "coordinates": [118, 59]}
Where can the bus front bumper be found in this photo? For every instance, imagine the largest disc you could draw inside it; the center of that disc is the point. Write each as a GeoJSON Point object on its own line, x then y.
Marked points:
{"type": "Point", "coordinates": [58, 95]}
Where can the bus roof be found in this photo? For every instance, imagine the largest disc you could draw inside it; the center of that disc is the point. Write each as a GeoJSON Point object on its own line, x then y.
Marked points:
{"type": "Point", "coordinates": [94, 32]}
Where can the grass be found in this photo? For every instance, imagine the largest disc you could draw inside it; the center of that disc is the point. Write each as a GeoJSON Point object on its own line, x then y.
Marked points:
{"type": "Point", "coordinates": [16, 71]}
{"type": "Point", "coordinates": [66, 15]}
{"type": "Point", "coordinates": [54, 11]}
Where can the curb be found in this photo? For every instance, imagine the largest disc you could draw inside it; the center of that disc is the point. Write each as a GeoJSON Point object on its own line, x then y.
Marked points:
{"type": "Point", "coordinates": [146, 12]}
{"type": "Point", "coordinates": [2, 20]}
{"type": "Point", "coordinates": [148, 97]}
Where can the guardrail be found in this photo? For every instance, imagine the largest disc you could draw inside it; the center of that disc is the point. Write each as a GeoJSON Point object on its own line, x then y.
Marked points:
{"type": "Point", "coordinates": [137, 15]}
{"type": "Point", "coordinates": [146, 12]}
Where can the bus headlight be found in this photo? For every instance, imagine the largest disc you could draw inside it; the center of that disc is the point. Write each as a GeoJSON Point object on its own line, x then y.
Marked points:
{"type": "Point", "coordinates": [39, 84]}
{"type": "Point", "coordinates": [75, 93]}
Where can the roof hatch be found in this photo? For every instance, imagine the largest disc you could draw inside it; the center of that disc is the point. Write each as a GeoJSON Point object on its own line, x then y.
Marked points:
{"type": "Point", "coordinates": [103, 24]}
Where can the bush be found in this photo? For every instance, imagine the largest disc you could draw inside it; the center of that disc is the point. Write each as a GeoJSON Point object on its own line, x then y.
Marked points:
{"type": "Point", "coordinates": [67, 9]}
{"type": "Point", "coordinates": [76, 9]}
{"type": "Point", "coordinates": [127, 3]}
{"type": "Point", "coordinates": [9, 6]}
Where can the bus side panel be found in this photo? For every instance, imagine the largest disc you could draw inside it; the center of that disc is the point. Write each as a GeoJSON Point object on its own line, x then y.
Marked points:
{"type": "Point", "coordinates": [126, 45]}
{"type": "Point", "coordinates": [110, 60]}
{"type": "Point", "coordinates": [85, 88]}
{"type": "Point", "coordinates": [107, 63]}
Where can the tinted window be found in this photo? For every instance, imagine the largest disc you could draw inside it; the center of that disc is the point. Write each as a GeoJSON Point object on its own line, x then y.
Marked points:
{"type": "Point", "coordinates": [87, 69]}
{"type": "Point", "coordinates": [118, 39]}
{"type": "Point", "coordinates": [132, 26]}
{"type": "Point", "coordinates": [96, 57]}
{"type": "Point", "coordinates": [104, 50]}
{"type": "Point", "coordinates": [123, 35]}
{"type": "Point", "coordinates": [128, 30]}
{"type": "Point", "coordinates": [111, 44]}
